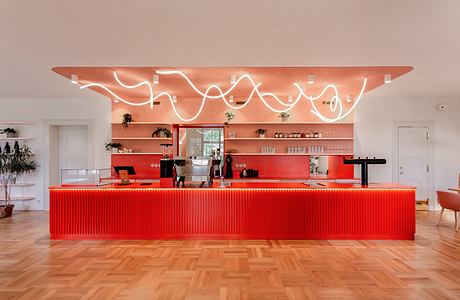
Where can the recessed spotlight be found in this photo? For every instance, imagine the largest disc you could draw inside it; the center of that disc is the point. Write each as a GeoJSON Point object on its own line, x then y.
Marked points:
{"type": "Point", "coordinates": [156, 79]}
{"type": "Point", "coordinates": [311, 79]}
{"type": "Point", "coordinates": [349, 99]}
{"type": "Point", "coordinates": [233, 79]}
{"type": "Point", "coordinates": [174, 99]}
{"type": "Point", "coordinates": [387, 78]}
{"type": "Point", "coordinates": [289, 98]}
{"type": "Point", "coordinates": [231, 99]}
{"type": "Point", "coordinates": [74, 78]}
{"type": "Point", "coordinates": [116, 100]}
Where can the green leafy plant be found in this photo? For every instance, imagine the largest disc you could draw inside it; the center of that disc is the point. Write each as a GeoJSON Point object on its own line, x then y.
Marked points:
{"type": "Point", "coordinates": [261, 131]}
{"type": "Point", "coordinates": [110, 146]}
{"type": "Point", "coordinates": [8, 130]}
{"type": "Point", "coordinates": [284, 115]}
{"type": "Point", "coordinates": [160, 130]}
{"type": "Point", "coordinates": [13, 166]}
{"type": "Point", "coordinates": [127, 120]}
{"type": "Point", "coordinates": [229, 116]}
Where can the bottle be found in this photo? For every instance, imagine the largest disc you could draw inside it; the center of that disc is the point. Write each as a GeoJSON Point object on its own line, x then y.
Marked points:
{"type": "Point", "coordinates": [16, 147]}
{"type": "Point", "coordinates": [7, 148]}
{"type": "Point", "coordinates": [276, 134]}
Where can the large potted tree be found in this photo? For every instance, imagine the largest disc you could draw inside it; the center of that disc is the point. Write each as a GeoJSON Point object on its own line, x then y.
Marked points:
{"type": "Point", "coordinates": [12, 166]}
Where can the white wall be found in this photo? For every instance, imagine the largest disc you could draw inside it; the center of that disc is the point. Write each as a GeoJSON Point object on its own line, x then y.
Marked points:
{"type": "Point", "coordinates": [375, 135]}
{"type": "Point", "coordinates": [41, 111]}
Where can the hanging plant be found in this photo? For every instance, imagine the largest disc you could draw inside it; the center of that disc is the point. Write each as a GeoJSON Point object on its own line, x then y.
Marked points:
{"type": "Point", "coordinates": [229, 116]}
{"type": "Point", "coordinates": [10, 132]}
{"type": "Point", "coordinates": [127, 120]}
{"type": "Point", "coordinates": [162, 132]}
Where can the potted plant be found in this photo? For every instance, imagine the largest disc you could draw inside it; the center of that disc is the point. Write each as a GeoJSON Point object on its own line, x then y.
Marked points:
{"type": "Point", "coordinates": [261, 132]}
{"type": "Point", "coordinates": [127, 120]}
{"type": "Point", "coordinates": [284, 116]}
{"type": "Point", "coordinates": [162, 132]}
{"type": "Point", "coordinates": [112, 147]}
{"type": "Point", "coordinates": [13, 166]}
{"type": "Point", "coordinates": [10, 132]}
{"type": "Point", "coordinates": [229, 116]}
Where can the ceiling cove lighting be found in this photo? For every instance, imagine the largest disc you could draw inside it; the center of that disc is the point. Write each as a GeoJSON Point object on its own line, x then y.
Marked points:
{"type": "Point", "coordinates": [387, 78]}
{"type": "Point", "coordinates": [311, 79]}
{"type": "Point", "coordinates": [349, 99]}
{"type": "Point", "coordinates": [74, 79]}
{"type": "Point", "coordinates": [174, 99]}
{"type": "Point", "coordinates": [156, 79]}
{"type": "Point", "coordinates": [335, 104]}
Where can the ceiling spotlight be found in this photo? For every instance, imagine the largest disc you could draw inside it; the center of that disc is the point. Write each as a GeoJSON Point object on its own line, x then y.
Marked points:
{"type": "Point", "coordinates": [174, 99]}
{"type": "Point", "coordinates": [289, 98]}
{"type": "Point", "coordinates": [349, 99]}
{"type": "Point", "coordinates": [387, 78]}
{"type": "Point", "coordinates": [116, 100]}
{"type": "Point", "coordinates": [231, 99]}
{"type": "Point", "coordinates": [156, 79]}
{"type": "Point", "coordinates": [233, 79]}
{"type": "Point", "coordinates": [74, 78]}
{"type": "Point", "coordinates": [311, 79]}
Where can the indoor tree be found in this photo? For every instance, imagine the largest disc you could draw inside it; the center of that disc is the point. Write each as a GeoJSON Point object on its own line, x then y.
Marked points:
{"type": "Point", "coordinates": [12, 166]}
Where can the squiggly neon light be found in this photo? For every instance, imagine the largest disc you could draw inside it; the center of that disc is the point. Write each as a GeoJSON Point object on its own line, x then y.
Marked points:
{"type": "Point", "coordinates": [335, 103]}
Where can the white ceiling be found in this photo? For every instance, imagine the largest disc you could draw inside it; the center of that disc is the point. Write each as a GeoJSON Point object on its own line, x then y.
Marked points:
{"type": "Point", "coordinates": [37, 35]}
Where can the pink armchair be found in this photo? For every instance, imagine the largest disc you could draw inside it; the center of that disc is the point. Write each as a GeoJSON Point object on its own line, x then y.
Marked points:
{"type": "Point", "coordinates": [450, 201]}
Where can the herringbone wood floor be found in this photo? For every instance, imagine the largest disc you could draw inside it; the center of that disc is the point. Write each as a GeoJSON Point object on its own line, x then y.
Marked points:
{"type": "Point", "coordinates": [33, 267]}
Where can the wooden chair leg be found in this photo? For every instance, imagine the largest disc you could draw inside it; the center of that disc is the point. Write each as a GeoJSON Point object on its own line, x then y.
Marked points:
{"type": "Point", "coordinates": [456, 220]}
{"type": "Point", "coordinates": [440, 216]}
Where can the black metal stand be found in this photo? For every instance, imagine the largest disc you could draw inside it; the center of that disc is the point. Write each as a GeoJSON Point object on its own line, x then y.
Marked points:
{"type": "Point", "coordinates": [364, 162]}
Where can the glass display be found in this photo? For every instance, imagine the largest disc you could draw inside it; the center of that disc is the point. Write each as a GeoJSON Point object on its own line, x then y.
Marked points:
{"type": "Point", "coordinates": [93, 177]}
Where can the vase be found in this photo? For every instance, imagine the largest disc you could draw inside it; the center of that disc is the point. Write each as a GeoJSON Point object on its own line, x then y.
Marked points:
{"type": "Point", "coordinates": [114, 150]}
{"type": "Point", "coordinates": [262, 135]}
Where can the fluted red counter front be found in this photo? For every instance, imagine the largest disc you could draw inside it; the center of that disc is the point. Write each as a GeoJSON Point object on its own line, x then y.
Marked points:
{"type": "Point", "coordinates": [290, 211]}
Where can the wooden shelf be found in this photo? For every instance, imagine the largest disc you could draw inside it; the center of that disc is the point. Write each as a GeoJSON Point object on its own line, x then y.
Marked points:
{"type": "Point", "coordinates": [16, 139]}
{"type": "Point", "coordinates": [288, 154]}
{"type": "Point", "coordinates": [139, 153]}
{"type": "Point", "coordinates": [143, 123]}
{"type": "Point", "coordinates": [24, 198]}
{"type": "Point", "coordinates": [140, 138]}
{"type": "Point", "coordinates": [16, 123]}
{"type": "Point", "coordinates": [290, 123]}
{"type": "Point", "coordinates": [288, 139]}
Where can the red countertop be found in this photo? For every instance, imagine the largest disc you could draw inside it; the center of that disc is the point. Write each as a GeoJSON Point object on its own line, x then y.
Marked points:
{"type": "Point", "coordinates": [246, 185]}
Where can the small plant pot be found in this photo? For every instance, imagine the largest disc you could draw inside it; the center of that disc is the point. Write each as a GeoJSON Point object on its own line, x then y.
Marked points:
{"type": "Point", "coordinates": [262, 136]}
{"type": "Point", "coordinates": [8, 212]}
{"type": "Point", "coordinates": [284, 119]}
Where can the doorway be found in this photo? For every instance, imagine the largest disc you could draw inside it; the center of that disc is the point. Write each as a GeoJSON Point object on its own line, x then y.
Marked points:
{"type": "Point", "coordinates": [414, 161]}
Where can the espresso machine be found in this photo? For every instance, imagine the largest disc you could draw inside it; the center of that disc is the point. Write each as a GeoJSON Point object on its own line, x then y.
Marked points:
{"type": "Point", "coordinates": [166, 166]}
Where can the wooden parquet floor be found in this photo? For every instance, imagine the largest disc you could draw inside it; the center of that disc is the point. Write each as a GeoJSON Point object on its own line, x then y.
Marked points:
{"type": "Point", "coordinates": [34, 267]}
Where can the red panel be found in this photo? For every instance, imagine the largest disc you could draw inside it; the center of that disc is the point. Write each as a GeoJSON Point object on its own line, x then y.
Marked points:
{"type": "Point", "coordinates": [291, 166]}
{"type": "Point", "coordinates": [232, 214]}
{"type": "Point", "coordinates": [337, 169]}
{"type": "Point", "coordinates": [141, 163]}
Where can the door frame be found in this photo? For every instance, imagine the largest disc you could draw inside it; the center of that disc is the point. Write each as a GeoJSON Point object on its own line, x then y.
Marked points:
{"type": "Point", "coordinates": [46, 156]}
{"type": "Point", "coordinates": [432, 203]}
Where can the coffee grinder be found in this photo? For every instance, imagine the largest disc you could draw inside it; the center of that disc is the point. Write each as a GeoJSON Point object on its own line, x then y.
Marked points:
{"type": "Point", "coordinates": [166, 166]}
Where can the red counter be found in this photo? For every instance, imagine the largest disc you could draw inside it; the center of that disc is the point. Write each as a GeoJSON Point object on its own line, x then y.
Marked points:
{"type": "Point", "coordinates": [243, 211]}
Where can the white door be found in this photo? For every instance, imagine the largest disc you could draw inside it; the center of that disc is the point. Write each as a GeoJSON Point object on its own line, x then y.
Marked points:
{"type": "Point", "coordinates": [413, 159]}
{"type": "Point", "coordinates": [73, 147]}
